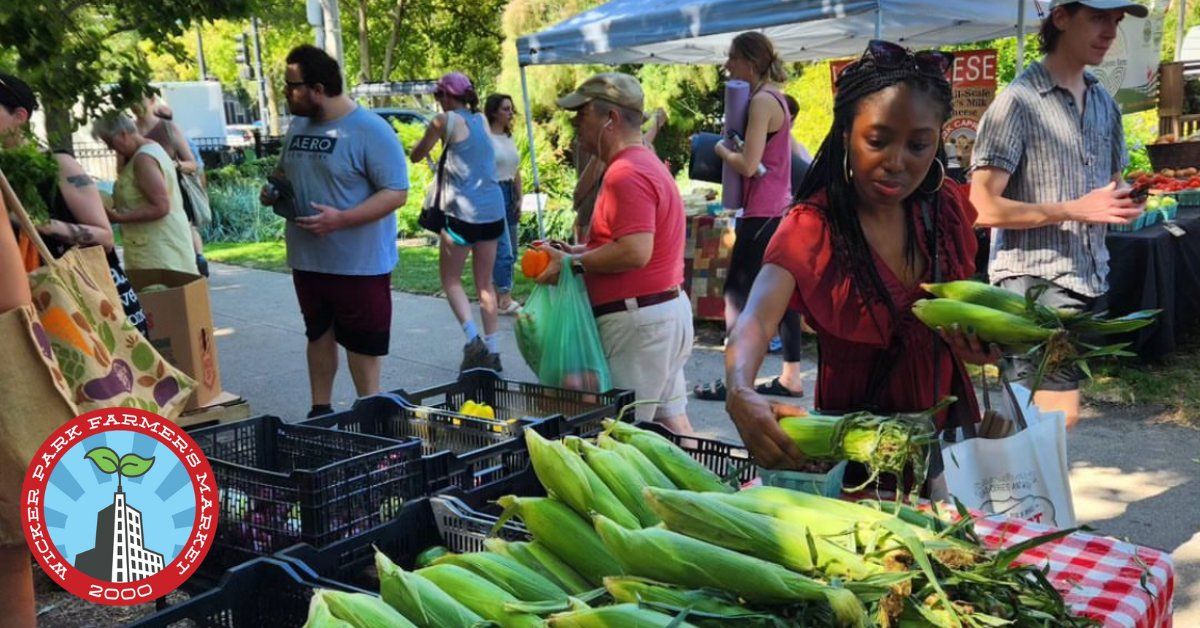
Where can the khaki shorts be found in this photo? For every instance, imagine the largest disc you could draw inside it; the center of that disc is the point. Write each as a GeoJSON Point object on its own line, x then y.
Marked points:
{"type": "Point", "coordinates": [646, 350]}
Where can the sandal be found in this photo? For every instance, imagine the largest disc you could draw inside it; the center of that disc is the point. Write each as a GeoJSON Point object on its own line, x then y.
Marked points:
{"type": "Point", "coordinates": [714, 391]}
{"type": "Point", "coordinates": [776, 389]}
{"type": "Point", "coordinates": [511, 309]}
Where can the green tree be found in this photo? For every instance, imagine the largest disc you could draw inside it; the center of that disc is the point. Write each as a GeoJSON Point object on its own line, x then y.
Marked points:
{"type": "Point", "coordinates": [86, 52]}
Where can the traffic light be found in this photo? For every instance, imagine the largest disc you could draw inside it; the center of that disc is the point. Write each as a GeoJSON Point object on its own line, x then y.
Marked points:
{"type": "Point", "coordinates": [243, 49]}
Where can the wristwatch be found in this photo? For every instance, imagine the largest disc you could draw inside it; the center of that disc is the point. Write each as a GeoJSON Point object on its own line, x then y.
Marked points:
{"type": "Point", "coordinates": [576, 261]}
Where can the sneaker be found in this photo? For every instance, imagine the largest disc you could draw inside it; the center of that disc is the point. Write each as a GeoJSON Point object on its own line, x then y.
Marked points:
{"type": "Point", "coordinates": [475, 355]}
{"type": "Point", "coordinates": [776, 345]}
{"type": "Point", "coordinates": [494, 363]}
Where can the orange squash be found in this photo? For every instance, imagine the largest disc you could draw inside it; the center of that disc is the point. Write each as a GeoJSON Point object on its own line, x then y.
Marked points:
{"type": "Point", "coordinates": [534, 262]}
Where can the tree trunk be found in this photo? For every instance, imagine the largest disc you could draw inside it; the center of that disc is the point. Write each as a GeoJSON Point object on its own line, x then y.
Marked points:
{"type": "Point", "coordinates": [272, 104]}
{"type": "Point", "coordinates": [393, 38]}
{"type": "Point", "coordinates": [364, 55]}
{"type": "Point", "coordinates": [59, 126]}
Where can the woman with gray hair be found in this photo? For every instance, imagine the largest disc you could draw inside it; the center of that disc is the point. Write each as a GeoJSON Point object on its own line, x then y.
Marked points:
{"type": "Point", "coordinates": [146, 200]}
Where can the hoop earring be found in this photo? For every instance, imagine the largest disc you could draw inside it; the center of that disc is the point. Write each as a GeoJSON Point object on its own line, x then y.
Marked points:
{"type": "Point", "coordinates": [941, 180]}
{"type": "Point", "coordinates": [846, 174]}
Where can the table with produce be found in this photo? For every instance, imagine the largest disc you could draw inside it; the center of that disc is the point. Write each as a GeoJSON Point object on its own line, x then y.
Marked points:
{"type": "Point", "coordinates": [636, 532]}
{"type": "Point", "coordinates": [1154, 263]}
{"type": "Point", "coordinates": [567, 514]}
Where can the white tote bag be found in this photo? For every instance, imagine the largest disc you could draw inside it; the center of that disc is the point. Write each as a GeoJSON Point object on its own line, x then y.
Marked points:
{"type": "Point", "coordinates": [1024, 475]}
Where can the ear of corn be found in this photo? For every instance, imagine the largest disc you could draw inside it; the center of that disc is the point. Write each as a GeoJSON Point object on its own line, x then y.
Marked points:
{"type": "Point", "coordinates": [524, 583]}
{"type": "Point", "coordinates": [319, 615]}
{"type": "Point", "coordinates": [568, 478]}
{"type": "Point", "coordinates": [671, 557]}
{"type": "Point", "coordinates": [363, 611]}
{"type": "Point", "coordinates": [988, 324]}
{"type": "Point", "coordinates": [624, 481]}
{"type": "Point", "coordinates": [476, 593]}
{"type": "Point", "coordinates": [684, 471]}
{"type": "Point", "coordinates": [565, 534]}
{"type": "Point", "coordinates": [651, 474]}
{"type": "Point", "coordinates": [617, 616]}
{"type": "Point", "coordinates": [980, 293]}
{"type": "Point", "coordinates": [792, 545]}
{"type": "Point", "coordinates": [716, 611]}
{"type": "Point", "coordinates": [536, 557]}
{"type": "Point", "coordinates": [418, 599]}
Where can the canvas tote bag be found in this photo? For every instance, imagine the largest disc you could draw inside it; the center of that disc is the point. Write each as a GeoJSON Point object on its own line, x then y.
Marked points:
{"type": "Point", "coordinates": [105, 361]}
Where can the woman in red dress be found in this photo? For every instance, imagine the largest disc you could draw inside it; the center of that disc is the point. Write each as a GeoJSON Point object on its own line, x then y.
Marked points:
{"type": "Point", "coordinates": [877, 218]}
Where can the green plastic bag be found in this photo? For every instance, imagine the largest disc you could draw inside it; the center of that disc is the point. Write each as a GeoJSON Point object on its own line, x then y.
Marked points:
{"type": "Point", "coordinates": [557, 335]}
{"type": "Point", "coordinates": [527, 327]}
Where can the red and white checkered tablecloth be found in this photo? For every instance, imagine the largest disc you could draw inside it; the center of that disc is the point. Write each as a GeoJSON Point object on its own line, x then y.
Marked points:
{"type": "Point", "coordinates": [1118, 583]}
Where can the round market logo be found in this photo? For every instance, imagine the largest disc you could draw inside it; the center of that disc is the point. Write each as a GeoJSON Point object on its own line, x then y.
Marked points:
{"type": "Point", "coordinates": [119, 506]}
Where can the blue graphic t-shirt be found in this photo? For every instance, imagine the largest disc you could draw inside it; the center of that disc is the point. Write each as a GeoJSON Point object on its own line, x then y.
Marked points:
{"type": "Point", "coordinates": [341, 163]}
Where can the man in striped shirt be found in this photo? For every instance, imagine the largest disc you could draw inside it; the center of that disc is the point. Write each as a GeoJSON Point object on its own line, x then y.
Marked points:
{"type": "Point", "coordinates": [1047, 176]}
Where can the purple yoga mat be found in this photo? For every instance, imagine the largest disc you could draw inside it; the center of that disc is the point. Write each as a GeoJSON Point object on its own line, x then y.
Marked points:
{"type": "Point", "coordinates": [737, 105]}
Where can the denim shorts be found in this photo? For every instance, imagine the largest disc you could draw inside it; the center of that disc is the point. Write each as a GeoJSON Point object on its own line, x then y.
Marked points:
{"type": "Point", "coordinates": [1020, 368]}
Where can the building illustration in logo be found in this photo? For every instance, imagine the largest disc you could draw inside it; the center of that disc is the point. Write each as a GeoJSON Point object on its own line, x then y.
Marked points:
{"type": "Point", "coordinates": [120, 554]}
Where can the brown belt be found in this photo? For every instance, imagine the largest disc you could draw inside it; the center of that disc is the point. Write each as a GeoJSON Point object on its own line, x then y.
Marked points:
{"type": "Point", "coordinates": [642, 301]}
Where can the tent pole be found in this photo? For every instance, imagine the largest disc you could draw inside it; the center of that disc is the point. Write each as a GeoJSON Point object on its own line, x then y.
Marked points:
{"type": "Point", "coordinates": [537, 184]}
{"type": "Point", "coordinates": [1181, 30]}
{"type": "Point", "coordinates": [879, 21]}
{"type": "Point", "coordinates": [1020, 36]}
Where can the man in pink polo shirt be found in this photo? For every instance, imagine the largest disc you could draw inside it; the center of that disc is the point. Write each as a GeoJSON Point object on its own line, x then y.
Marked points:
{"type": "Point", "coordinates": [632, 260]}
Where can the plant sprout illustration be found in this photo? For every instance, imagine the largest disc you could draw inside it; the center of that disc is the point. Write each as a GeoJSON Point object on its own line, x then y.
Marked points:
{"type": "Point", "coordinates": [129, 465]}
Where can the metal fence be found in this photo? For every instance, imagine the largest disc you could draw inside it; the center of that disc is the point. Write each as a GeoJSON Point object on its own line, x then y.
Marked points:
{"type": "Point", "coordinates": [100, 161]}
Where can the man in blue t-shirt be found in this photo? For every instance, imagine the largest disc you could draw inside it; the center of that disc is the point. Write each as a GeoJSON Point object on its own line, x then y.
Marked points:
{"type": "Point", "coordinates": [347, 175]}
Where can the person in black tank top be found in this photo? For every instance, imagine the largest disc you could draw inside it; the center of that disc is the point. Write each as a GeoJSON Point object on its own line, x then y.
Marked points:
{"type": "Point", "coordinates": [77, 215]}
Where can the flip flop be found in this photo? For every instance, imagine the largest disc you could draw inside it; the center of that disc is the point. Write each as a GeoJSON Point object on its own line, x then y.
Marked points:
{"type": "Point", "coordinates": [714, 391]}
{"type": "Point", "coordinates": [776, 389]}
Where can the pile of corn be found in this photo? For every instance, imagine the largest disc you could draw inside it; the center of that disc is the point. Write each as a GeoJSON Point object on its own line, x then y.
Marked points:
{"type": "Point", "coordinates": [635, 532]}
{"type": "Point", "coordinates": [1018, 324]}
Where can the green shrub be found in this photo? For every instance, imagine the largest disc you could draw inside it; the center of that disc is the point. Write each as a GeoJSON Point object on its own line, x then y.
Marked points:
{"type": "Point", "coordinates": [253, 169]}
{"type": "Point", "coordinates": [237, 214]}
{"type": "Point", "coordinates": [559, 223]}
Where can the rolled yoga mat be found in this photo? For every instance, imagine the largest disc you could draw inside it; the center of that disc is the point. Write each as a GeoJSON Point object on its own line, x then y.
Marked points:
{"type": "Point", "coordinates": [737, 106]}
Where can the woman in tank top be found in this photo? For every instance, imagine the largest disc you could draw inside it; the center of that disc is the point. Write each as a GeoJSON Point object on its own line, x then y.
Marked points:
{"type": "Point", "coordinates": [474, 208]}
{"type": "Point", "coordinates": [499, 112]}
{"type": "Point", "coordinates": [765, 164]}
{"type": "Point", "coordinates": [77, 215]}
{"type": "Point", "coordinates": [146, 200]}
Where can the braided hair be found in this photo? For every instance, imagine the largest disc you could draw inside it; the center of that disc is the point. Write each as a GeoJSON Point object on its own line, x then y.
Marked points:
{"type": "Point", "coordinates": [856, 82]}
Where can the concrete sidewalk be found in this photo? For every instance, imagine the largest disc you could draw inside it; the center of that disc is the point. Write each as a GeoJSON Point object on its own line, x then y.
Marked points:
{"type": "Point", "coordinates": [1131, 478]}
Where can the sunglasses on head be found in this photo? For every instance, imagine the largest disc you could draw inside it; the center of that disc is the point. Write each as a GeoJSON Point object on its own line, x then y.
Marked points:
{"type": "Point", "coordinates": [889, 56]}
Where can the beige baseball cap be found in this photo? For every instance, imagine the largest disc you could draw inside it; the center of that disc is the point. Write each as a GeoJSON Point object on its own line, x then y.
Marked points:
{"type": "Point", "coordinates": [614, 87]}
{"type": "Point", "coordinates": [1131, 8]}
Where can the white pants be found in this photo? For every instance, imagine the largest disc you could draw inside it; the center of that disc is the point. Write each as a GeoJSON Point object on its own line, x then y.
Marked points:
{"type": "Point", "coordinates": [646, 348]}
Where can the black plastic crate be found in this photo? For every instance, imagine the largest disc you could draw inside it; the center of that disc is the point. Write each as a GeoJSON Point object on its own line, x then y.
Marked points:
{"type": "Point", "coordinates": [261, 592]}
{"type": "Point", "coordinates": [283, 484]}
{"type": "Point", "coordinates": [581, 411]}
{"type": "Point", "coordinates": [463, 451]}
{"type": "Point", "coordinates": [443, 520]}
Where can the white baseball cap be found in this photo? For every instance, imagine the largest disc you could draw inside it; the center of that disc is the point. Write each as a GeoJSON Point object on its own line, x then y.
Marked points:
{"type": "Point", "coordinates": [1130, 8]}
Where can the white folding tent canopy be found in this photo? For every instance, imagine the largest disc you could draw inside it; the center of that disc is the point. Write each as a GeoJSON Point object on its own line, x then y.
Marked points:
{"type": "Point", "coordinates": [699, 31]}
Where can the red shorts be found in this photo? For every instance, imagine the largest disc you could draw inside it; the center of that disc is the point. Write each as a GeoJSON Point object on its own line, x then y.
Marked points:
{"type": "Point", "coordinates": [358, 308]}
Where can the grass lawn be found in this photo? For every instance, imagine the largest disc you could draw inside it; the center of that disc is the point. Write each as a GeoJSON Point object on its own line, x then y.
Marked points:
{"type": "Point", "coordinates": [1173, 384]}
{"type": "Point", "coordinates": [417, 272]}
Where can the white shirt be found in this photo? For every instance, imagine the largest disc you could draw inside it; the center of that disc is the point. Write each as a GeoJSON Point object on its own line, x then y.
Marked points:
{"type": "Point", "coordinates": [507, 157]}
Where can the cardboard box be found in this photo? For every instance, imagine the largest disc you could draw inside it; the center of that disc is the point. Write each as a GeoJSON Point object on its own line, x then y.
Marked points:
{"type": "Point", "coordinates": [181, 327]}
